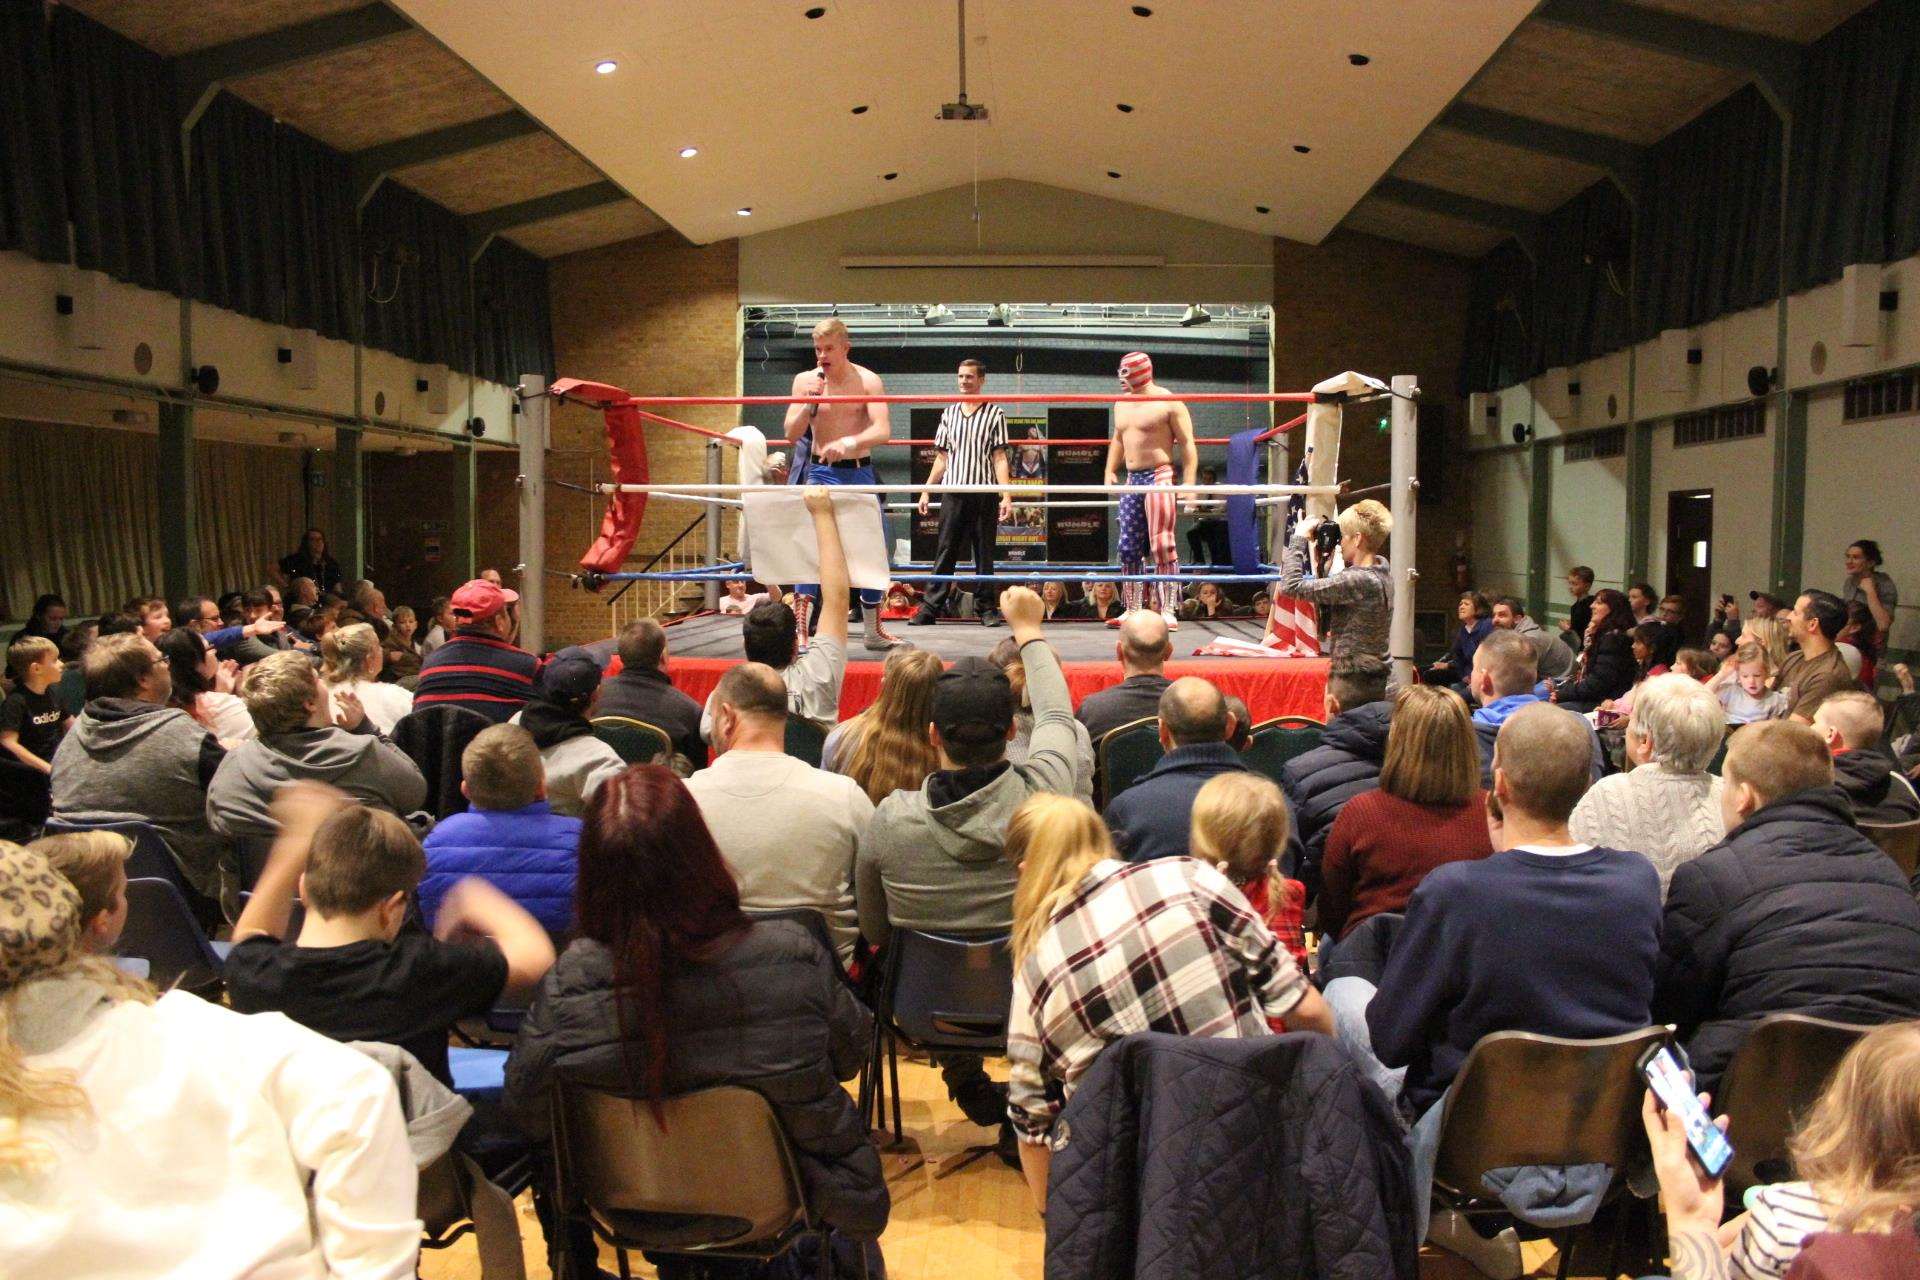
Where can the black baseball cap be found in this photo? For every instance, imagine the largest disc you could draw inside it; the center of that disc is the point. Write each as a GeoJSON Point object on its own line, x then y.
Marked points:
{"type": "Point", "coordinates": [1769, 597]}
{"type": "Point", "coordinates": [973, 702]}
{"type": "Point", "coordinates": [573, 675]}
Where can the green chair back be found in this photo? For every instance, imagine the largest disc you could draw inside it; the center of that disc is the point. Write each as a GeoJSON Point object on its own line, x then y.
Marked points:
{"type": "Point", "coordinates": [1124, 755]}
{"type": "Point", "coordinates": [1279, 740]}
{"type": "Point", "coordinates": [71, 692]}
{"type": "Point", "coordinates": [634, 741]}
{"type": "Point", "coordinates": [805, 740]}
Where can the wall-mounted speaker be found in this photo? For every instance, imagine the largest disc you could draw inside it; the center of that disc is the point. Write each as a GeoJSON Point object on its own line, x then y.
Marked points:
{"type": "Point", "coordinates": [299, 358]}
{"type": "Point", "coordinates": [476, 427]}
{"type": "Point", "coordinates": [1860, 305]}
{"type": "Point", "coordinates": [77, 301]}
{"type": "Point", "coordinates": [1680, 356]}
{"type": "Point", "coordinates": [1483, 412]}
{"type": "Point", "coordinates": [206, 379]}
{"type": "Point", "coordinates": [430, 383]}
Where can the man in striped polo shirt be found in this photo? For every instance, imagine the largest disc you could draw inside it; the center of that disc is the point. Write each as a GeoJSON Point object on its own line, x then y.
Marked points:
{"type": "Point", "coordinates": [479, 667]}
{"type": "Point", "coordinates": [970, 448]}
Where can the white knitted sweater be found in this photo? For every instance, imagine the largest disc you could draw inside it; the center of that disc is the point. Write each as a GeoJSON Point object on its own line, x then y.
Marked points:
{"type": "Point", "coordinates": [1668, 817]}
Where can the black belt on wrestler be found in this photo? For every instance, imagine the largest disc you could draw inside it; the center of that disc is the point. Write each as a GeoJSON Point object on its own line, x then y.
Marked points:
{"type": "Point", "coordinates": [851, 464]}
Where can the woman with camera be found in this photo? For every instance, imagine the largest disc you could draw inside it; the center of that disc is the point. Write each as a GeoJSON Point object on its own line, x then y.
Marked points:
{"type": "Point", "coordinates": [1355, 603]}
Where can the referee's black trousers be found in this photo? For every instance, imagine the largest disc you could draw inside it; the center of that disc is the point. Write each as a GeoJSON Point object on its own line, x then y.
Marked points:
{"type": "Point", "coordinates": [969, 524]}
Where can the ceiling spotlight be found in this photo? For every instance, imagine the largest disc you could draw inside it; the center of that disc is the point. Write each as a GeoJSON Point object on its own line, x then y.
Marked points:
{"type": "Point", "coordinates": [606, 67]}
{"type": "Point", "coordinates": [1358, 59]}
{"type": "Point", "coordinates": [938, 313]}
{"type": "Point", "coordinates": [688, 153]}
{"type": "Point", "coordinates": [1124, 108]}
{"type": "Point", "coordinates": [860, 110]}
{"type": "Point", "coordinates": [1261, 208]}
{"type": "Point", "coordinates": [816, 12]}
{"type": "Point", "coordinates": [999, 316]}
{"type": "Point", "coordinates": [1113, 173]}
{"type": "Point", "coordinates": [888, 177]}
{"type": "Point", "coordinates": [1302, 147]}
{"type": "Point", "coordinates": [1195, 314]}
{"type": "Point", "coordinates": [745, 211]}
{"type": "Point", "coordinates": [1141, 11]}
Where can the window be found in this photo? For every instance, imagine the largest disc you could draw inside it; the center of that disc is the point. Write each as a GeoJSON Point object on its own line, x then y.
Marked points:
{"type": "Point", "coordinates": [1883, 396]}
{"type": "Point", "coordinates": [1729, 422]}
{"type": "Point", "coordinates": [1591, 445]}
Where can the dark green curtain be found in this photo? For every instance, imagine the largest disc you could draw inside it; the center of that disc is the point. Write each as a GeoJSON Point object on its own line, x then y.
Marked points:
{"type": "Point", "coordinates": [1580, 297]}
{"type": "Point", "coordinates": [513, 325]}
{"type": "Point", "coordinates": [1856, 145]}
{"type": "Point", "coordinates": [416, 304]}
{"type": "Point", "coordinates": [120, 143]}
{"type": "Point", "coordinates": [1500, 323]}
{"type": "Point", "coordinates": [33, 204]}
{"type": "Point", "coordinates": [274, 214]}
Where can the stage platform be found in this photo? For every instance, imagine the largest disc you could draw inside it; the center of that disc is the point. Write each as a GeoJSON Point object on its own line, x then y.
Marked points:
{"type": "Point", "coordinates": [701, 647]}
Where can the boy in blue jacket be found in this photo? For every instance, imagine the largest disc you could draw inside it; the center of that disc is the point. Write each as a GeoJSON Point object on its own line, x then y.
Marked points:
{"type": "Point", "coordinates": [509, 836]}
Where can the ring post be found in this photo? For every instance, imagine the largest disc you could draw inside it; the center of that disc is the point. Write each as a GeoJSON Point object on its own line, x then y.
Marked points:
{"type": "Point", "coordinates": [1405, 443]}
{"type": "Point", "coordinates": [535, 408]}
{"type": "Point", "coordinates": [716, 516]}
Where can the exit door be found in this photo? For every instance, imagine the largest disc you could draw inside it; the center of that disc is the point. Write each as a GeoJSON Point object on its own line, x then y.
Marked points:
{"type": "Point", "coordinates": [1690, 556]}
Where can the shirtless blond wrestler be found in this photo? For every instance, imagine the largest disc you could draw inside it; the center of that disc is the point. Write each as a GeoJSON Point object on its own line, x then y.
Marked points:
{"type": "Point", "coordinates": [1147, 436]}
{"type": "Point", "coordinates": [843, 438]}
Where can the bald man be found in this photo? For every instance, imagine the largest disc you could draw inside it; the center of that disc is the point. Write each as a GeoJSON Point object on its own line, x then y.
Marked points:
{"type": "Point", "coordinates": [1150, 819]}
{"type": "Point", "coordinates": [1143, 651]}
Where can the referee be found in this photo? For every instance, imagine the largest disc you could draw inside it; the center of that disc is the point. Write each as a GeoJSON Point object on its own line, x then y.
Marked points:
{"type": "Point", "coordinates": [970, 448]}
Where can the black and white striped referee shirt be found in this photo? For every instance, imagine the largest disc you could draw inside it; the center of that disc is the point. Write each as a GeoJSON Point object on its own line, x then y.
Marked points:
{"type": "Point", "coordinates": [968, 435]}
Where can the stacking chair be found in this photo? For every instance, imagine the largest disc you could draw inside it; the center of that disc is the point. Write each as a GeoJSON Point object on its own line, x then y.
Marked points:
{"type": "Point", "coordinates": [946, 993]}
{"type": "Point", "coordinates": [1279, 740]}
{"type": "Point", "coordinates": [1526, 1099]}
{"type": "Point", "coordinates": [1124, 755]}
{"type": "Point", "coordinates": [71, 692]}
{"type": "Point", "coordinates": [1719, 760]}
{"type": "Point", "coordinates": [1901, 840]}
{"type": "Point", "coordinates": [456, 1197]}
{"type": "Point", "coordinates": [162, 931]}
{"type": "Point", "coordinates": [646, 1178]}
{"type": "Point", "coordinates": [634, 741]}
{"type": "Point", "coordinates": [152, 859]}
{"type": "Point", "coordinates": [434, 738]}
{"type": "Point", "coordinates": [1778, 1072]}
{"type": "Point", "coordinates": [805, 740]}
{"type": "Point", "coordinates": [816, 926]}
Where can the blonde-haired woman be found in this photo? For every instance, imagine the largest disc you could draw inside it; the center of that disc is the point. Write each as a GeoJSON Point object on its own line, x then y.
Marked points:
{"type": "Point", "coordinates": [1355, 603]}
{"type": "Point", "coordinates": [351, 661]}
{"type": "Point", "coordinates": [263, 1147]}
{"type": "Point", "coordinates": [1857, 1153]}
{"type": "Point", "coordinates": [1239, 826]}
{"type": "Point", "coordinates": [886, 748]}
{"type": "Point", "coordinates": [1084, 926]}
{"type": "Point", "coordinates": [1429, 810]}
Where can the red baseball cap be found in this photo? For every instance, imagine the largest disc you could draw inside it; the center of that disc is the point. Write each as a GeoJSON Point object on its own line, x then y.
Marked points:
{"type": "Point", "coordinates": [479, 600]}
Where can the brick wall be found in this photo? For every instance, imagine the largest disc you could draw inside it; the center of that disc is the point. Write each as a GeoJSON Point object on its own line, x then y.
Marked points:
{"type": "Point", "coordinates": [657, 315]}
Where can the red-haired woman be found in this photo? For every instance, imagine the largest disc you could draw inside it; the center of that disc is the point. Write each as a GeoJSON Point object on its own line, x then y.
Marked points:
{"type": "Point", "coordinates": [669, 987]}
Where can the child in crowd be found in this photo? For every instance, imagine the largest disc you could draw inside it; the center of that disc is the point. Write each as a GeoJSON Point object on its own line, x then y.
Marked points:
{"type": "Point", "coordinates": [1240, 824]}
{"type": "Point", "coordinates": [1749, 696]}
{"type": "Point", "coordinates": [32, 722]}
{"type": "Point", "coordinates": [353, 973]}
{"type": "Point", "coordinates": [509, 836]}
{"type": "Point", "coordinates": [95, 862]}
{"type": "Point", "coordinates": [1698, 663]}
{"type": "Point", "coordinates": [1720, 645]}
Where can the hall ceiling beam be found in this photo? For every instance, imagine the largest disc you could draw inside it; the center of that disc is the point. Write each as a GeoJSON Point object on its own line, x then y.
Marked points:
{"type": "Point", "coordinates": [1620, 161]}
{"type": "Point", "coordinates": [372, 165]}
{"type": "Point", "coordinates": [482, 227]}
{"type": "Point", "coordinates": [1770, 62]}
{"type": "Point", "coordinates": [199, 76]}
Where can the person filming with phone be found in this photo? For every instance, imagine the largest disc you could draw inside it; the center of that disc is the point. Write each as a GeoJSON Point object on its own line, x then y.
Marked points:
{"type": "Point", "coordinates": [1548, 935]}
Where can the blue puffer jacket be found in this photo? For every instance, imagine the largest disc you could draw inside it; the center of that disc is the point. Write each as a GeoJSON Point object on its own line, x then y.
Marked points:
{"type": "Point", "coordinates": [530, 854]}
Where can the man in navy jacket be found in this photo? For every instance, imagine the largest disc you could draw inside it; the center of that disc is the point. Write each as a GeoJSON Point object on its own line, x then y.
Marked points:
{"type": "Point", "coordinates": [1150, 819]}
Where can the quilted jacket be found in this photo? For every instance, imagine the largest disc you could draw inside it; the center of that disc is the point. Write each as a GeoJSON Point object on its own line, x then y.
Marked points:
{"type": "Point", "coordinates": [529, 854]}
{"type": "Point", "coordinates": [1192, 1158]}
{"type": "Point", "coordinates": [1320, 782]}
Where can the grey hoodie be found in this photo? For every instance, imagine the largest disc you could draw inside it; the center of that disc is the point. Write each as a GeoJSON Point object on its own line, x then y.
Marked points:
{"type": "Point", "coordinates": [925, 867]}
{"type": "Point", "coordinates": [1549, 650]}
{"type": "Point", "coordinates": [364, 765]}
{"type": "Point", "coordinates": [131, 761]}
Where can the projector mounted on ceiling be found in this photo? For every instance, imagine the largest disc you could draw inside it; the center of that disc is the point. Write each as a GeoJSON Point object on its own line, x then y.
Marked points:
{"type": "Point", "coordinates": [963, 110]}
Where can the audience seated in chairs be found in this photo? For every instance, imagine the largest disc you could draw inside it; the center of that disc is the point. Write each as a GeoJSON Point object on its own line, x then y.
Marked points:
{"type": "Point", "coordinates": [787, 831]}
{"type": "Point", "coordinates": [1815, 669]}
{"type": "Point", "coordinates": [479, 667]}
{"type": "Point", "coordinates": [1150, 819]}
{"type": "Point", "coordinates": [643, 692]}
{"type": "Point", "coordinates": [203, 686]}
{"type": "Point", "coordinates": [1089, 928]}
{"type": "Point", "coordinates": [1666, 806]}
{"type": "Point", "coordinates": [131, 757]}
{"type": "Point", "coordinates": [669, 987]}
{"type": "Point", "coordinates": [1353, 747]}
{"type": "Point", "coordinates": [508, 836]}
{"type": "Point", "coordinates": [1552, 656]}
{"type": "Point", "coordinates": [1795, 911]}
{"type": "Point", "coordinates": [305, 734]}
{"type": "Point", "coordinates": [1548, 935]}
{"type": "Point", "coordinates": [1504, 679]}
{"type": "Point", "coordinates": [1476, 624]}
{"type": "Point", "coordinates": [260, 1145]}
{"type": "Point", "coordinates": [1746, 689]}
{"type": "Point", "coordinates": [1143, 650]}
{"type": "Point", "coordinates": [1240, 828]}
{"type": "Point", "coordinates": [354, 656]}
{"type": "Point", "coordinates": [559, 716]}
{"type": "Point", "coordinates": [932, 859]}
{"type": "Point", "coordinates": [887, 748]}
{"type": "Point", "coordinates": [95, 863]}
{"type": "Point", "coordinates": [1857, 1154]}
{"type": "Point", "coordinates": [1006, 656]}
{"type": "Point", "coordinates": [1606, 667]}
{"type": "Point", "coordinates": [1851, 725]}
{"type": "Point", "coordinates": [1427, 811]}
{"type": "Point", "coordinates": [263, 629]}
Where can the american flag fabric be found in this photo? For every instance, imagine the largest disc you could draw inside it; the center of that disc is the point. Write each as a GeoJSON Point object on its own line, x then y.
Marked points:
{"type": "Point", "coordinates": [1293, 626]}
{"type": "Point", "coordinates": [1136, 370]}
{"type": "Point", "coordinates": [1166, 945]}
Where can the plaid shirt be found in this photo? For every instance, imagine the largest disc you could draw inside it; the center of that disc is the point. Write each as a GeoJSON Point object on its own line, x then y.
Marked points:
{"type": "Point", "coordinates": [1166, 945]}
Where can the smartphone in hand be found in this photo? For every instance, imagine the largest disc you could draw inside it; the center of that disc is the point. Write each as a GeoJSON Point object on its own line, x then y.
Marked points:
{"type": "Point", "coordinates": [1674, 1088]}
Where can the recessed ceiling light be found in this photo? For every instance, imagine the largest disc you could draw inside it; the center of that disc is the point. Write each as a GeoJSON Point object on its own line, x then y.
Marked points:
{"type": "Point", "coordinates": [888, 177]}
{"type": "Point", "coordinates": [1358, 59]}
{"type": "Point", "coordinates": [745, 211]}
{"type": "Point", "coordinates": [1113, 173]}
{"type": "Point", "coordinates": [1141, 11]}
{"type": "Point", "coordinates": [1124, 108]}
{"type": "Point", "coordinates": [1302, 147]}
{"type": "Point", "coordinates": [816, 12]}
{"type": "Point", "coordinates": [606, 67]}
{"type": "Point", "coordinates": [860, 110]}
{"type": "Point", "coordinates": [688, 153]}
{"type": "Point", "coordinates": [1261, 208]}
